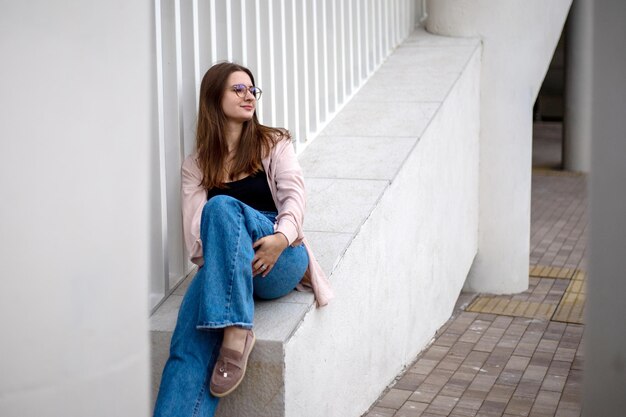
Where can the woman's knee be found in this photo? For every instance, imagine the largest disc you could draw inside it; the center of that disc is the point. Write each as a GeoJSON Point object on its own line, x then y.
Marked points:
{"type": "Point", "coordinates": [221, 203]}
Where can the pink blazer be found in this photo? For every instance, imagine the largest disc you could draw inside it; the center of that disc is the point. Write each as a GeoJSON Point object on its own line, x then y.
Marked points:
{"type": "Point", "coordinates": [287, 186]}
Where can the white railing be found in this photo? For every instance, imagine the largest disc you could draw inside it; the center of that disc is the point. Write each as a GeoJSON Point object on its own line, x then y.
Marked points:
{"type": "Point", "coordinates": [308, 56]}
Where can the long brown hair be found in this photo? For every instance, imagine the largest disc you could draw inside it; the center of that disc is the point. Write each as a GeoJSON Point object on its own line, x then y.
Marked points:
{"type": "Point", "coordinates": [256, 139]}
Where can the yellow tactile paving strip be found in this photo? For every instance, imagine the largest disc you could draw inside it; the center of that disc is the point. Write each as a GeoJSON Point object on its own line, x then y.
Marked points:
{"type": "Point", "coordinates": [536, 304]}
{"type": "Point", "coordinates": [572, 306]}
{"type": "Point", "coordinates": [555, 172]}
{"type": "Point", "coordinates": [503, 305]}
{"type": "Point", "coordinates": [546, 271]}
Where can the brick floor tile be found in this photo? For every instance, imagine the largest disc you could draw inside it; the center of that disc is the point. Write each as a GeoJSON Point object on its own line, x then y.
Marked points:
{"type": "Point", "coordinates": [411, 409]}
{"type": "Point", "coordinates": [463, 412]}
{"type": "Point", "coordinates": [450, 363]}
{"type": "Point", "coordinates": [463, 375]}
{"type": "Point", "coordinates": [486, 317]}
{"type": "Point", "coordinates": [492, 408]}
{"type": "Point", "coordinates": [423, 366]}
{"type": "Point", "coordinates": [394, 398]}
{"type": "Point", "coordinates": [527, 389]}
{"type": "Point", "coordinates": [535, 373]}
{"type": "Point", "coordinates": [510, 377]}
{"type": "Point", "coordinates": [517, 363]}
{"type": "Point", "coordinates": [483, 383]}
{"type": "Point", "coordinates": [435, 353]}
{"type": "Point", "coordinates": [574, 330]}
{"type": "Point", "coordinates": [491, 369]}
{"type": "Point", "coordinates": [485, 413]}
{"type": "Point", "coordinates": [496, 362]}
{"type": "Point", "coordinates": [508, 341]}
{"type": "Point", "coordinates": [560, 368]}
{"type": "Point", "coordinates": [578, 363]}
{"type": "Point", "coordinates": [461, 348]}
{"type": "Point", "coordinates": [525, 349]}
{"type": "Point", "coordinates": [410, 381]}
{"type": "Point", "coordinates": [555, 330]}
{"type": "Point", "coordinates": [500, 393]}
{"type": "Point", "coordinates": [442, 404]}
{"type": "Point", "coordinates": [470, 336]}
{"type": "Point", "coordinates": [438, 377]}
{"type": "Point", "coordinates": [472, 399]}
{"type": "Point", "coordinates": [502, 322]}
{"type": "Point", "coordinates": [460, 324]}
{"type": "Point", "coordinates": [546, 403]}
{"type": "Point", "coordinates": [454, 388]}
{"type": "Point", "coordinates": [541, 358]}
{"type": "Point", "coordinates": [425, 393]}
{"type": "Point", "coordinates": [475, 359]}
{"type": "Point", "coordinates": [487, 343]}
{"type": "Point", "coordinates": [546, 345]}
{"type": "Point", "coordinates": [380, 412]}
{"type": "Point", "coordinates": [446, 339]}
{"type": "Point", "coordinates": [565, 354]}
{"type": "Point", "coordinates": [475, 331]}
{"type": "Point", "coordinates": [516, 328]}
{"type": "Point", "coordinates": [568, 410]}
{"type": "Point", "coordinates": [553, 382]}
{"type": "Point", "coordinates": [519, 406]}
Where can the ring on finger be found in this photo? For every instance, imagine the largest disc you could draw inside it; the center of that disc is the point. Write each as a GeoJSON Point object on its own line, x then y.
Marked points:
{"type": "Point", "coordinates": [263, 267]}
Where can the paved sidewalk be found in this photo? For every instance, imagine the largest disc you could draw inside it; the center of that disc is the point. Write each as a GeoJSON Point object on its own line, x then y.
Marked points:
{"type": "Point", "coordinates": [518, 355]}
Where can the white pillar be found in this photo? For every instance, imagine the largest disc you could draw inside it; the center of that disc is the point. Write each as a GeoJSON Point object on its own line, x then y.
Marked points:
{"type": "Point", "coordinates": [519, 38]}
{"type": "Point", "coordinates": [605, 338]}
{"type": "Point", "coordinates": [578, 109]}
{"type": "Point", "coordinates": [76, 123]}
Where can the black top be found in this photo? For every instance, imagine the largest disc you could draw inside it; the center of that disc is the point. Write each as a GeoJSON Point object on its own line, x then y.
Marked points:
{"type": "Point", "coordinates": [252, 190]}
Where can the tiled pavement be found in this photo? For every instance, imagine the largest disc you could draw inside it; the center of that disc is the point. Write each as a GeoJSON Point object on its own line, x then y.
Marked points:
{"type": "Point", "coordinates": [519, 355]}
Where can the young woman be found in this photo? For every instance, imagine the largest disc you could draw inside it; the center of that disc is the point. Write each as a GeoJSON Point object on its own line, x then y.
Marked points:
{"type": "Point", "coordinates": [243, 208]}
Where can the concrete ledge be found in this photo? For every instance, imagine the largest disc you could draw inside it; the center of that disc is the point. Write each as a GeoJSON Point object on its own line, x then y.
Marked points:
{"type": "Point", "coordinates": [392, 215]}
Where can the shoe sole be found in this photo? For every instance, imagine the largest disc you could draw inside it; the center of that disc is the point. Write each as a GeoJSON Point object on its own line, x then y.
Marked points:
{"type": "Point", "coordinates": [243, 375]}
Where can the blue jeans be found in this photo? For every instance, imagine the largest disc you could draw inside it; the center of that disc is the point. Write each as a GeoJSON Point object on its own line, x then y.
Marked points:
{"type": "Point", "coordinates": [220, 295]}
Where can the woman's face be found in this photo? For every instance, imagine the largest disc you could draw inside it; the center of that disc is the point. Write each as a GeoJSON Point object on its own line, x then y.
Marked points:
{"type": "Point", "coordinates": [238, 109]}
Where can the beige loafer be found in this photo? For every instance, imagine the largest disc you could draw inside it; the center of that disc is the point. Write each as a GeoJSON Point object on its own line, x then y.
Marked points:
{"type": "Point", "coordinates": [230, 368]}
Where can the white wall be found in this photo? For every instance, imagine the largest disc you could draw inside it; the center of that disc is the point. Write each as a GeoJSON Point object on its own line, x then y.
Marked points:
{"type": "Point", "coordinates": [76, 122]}
{"type": "Point", "coordinates": [578, 79]}
{"type": "Point", "coordinates": [519, 38]}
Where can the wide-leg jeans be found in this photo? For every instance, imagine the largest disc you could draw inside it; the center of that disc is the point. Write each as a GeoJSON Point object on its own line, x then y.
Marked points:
{"type": "Point", "coordinates": [220, 295]}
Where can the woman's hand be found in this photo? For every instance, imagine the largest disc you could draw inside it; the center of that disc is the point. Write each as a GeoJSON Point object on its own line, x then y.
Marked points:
{"type": "Point", "coordinates": [268, 249]}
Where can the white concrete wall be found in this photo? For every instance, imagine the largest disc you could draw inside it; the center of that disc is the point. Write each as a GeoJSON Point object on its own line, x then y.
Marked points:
{"type": "Point", "coordinates": [519, 38]}
{"type": "Point", "coordinates": [401, 274]}
{"type": "Point", "coordinates": [76, 122]}
{"type": "Point", "coordinates": [578, 80]}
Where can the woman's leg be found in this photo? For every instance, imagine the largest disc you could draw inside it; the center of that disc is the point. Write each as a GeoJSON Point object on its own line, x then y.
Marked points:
{"type": "Point", "coordinates": [220, 296]}
{"type": "Point", "coordinates": [284, 276]}
{"type": "Point", "coordinates": [184, 388]}
{"type": "Point", "coordinates": [215, 299]}
{"type": "Point", "coordinates": [228, 230]}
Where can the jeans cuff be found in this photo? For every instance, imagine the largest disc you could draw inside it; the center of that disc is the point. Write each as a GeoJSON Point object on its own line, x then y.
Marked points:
{"type": "Point", "coordinates": [221, 325]}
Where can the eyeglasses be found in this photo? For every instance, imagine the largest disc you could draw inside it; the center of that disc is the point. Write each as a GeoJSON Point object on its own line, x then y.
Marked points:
{"type": "Point", "coordinates": [241, 90]}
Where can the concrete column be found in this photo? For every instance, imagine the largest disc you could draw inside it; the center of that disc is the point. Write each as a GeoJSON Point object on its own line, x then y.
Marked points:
{"type": "Point", "coordinates": [76, 124]}
{"type": "Point", "coordinates": [578, 65]}
{"type": "Point", "coordinates": [605, 338]}
{"type": "Point", "coordinates": [519, 38]}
